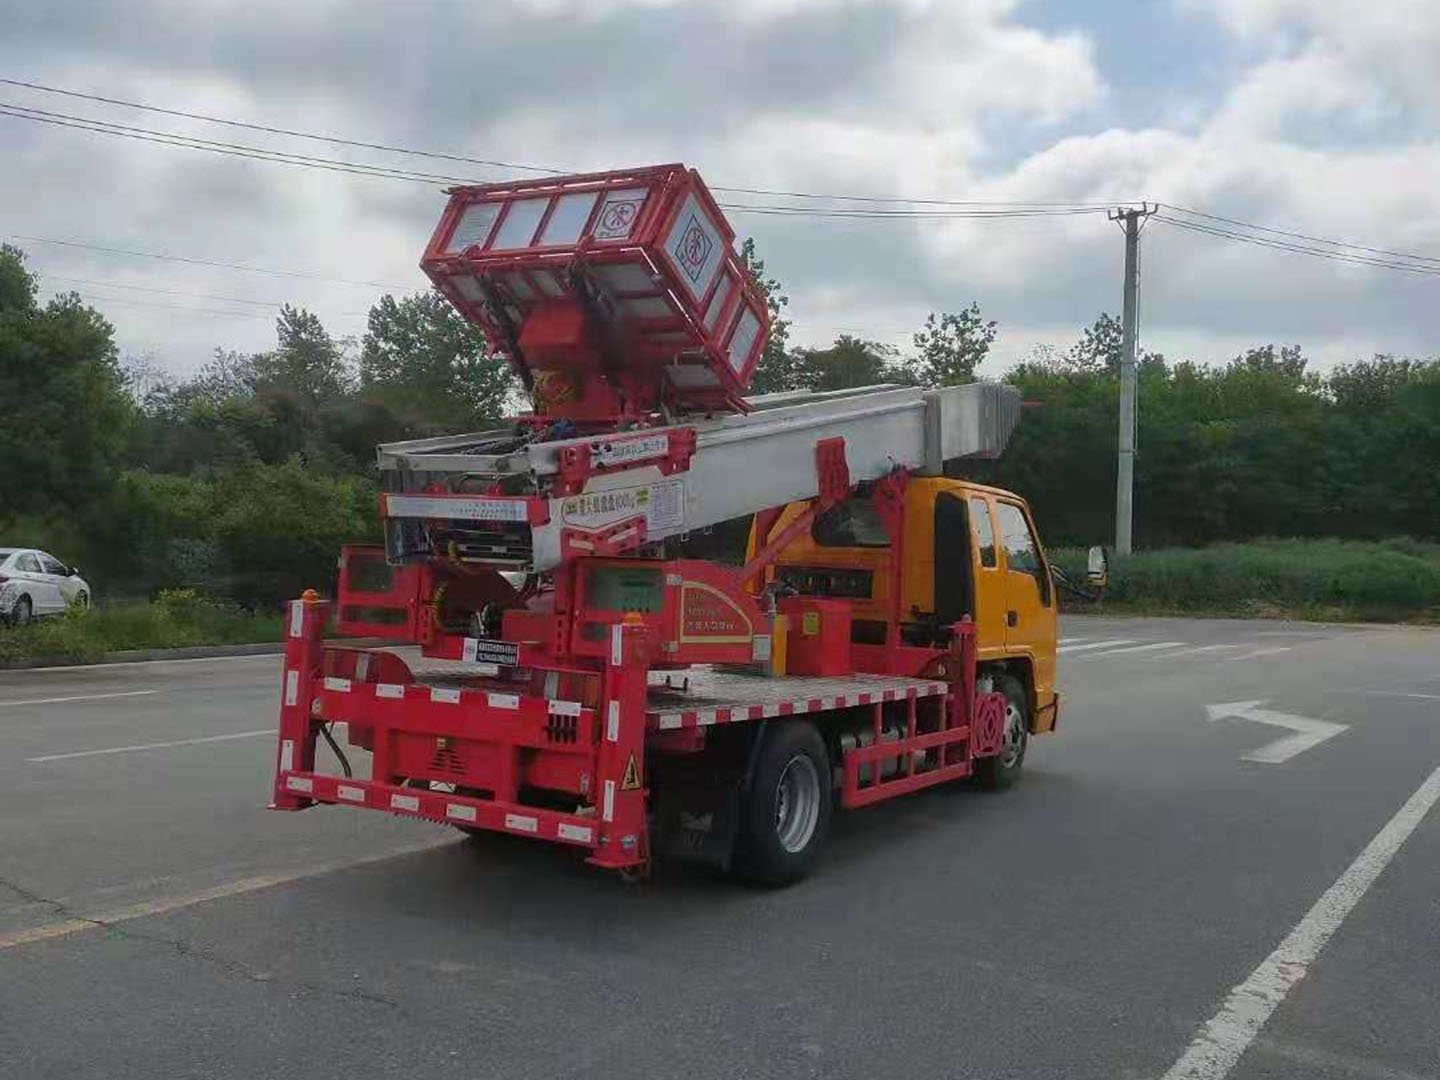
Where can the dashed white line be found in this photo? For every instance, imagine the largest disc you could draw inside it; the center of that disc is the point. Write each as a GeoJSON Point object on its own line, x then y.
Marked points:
{"type": "Point", "coordinates": [152, 746]}
{"type": "Point", "coordinates": [1094, 645]}
{"type": "Point", "coordinates": [78, 669]}
{"type": "Point", "coordinates": [1229, 1033]}
{"type": "Point", "coordinates": [1134, 649]}
{"type": "Point", "coordinates": [1192, 651]}
{"type": "Point", "coordinates": [1257, 653]}
{"type": "Point", "coordinates": [78, 697]}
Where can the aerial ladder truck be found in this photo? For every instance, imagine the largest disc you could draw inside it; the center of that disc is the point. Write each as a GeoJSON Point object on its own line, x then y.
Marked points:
{"type": "Point", "coordinates": [564, 669]}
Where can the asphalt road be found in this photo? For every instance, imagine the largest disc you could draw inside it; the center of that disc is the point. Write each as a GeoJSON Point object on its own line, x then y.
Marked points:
{"type": "Point", "coordinates": [156, 921]}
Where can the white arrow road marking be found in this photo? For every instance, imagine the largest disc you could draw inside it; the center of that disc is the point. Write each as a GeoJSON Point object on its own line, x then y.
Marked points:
{"type": "Point", "coordinates": [1190, 652]}
{"type": "Point", "coordinates": [1227, 1034]}
{"type": "Point", "coordinates": [1259, 652]}
{"type": "Point", "coordinates": [1308, 732]}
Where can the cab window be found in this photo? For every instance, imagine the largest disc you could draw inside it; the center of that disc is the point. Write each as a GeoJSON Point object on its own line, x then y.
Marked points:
{"type": "Point", "coordinates": [1022, 552]}
{"type": "Point", "coordinates": [984, 533]}
{"type": "Point", "coordinates": [850, 524]}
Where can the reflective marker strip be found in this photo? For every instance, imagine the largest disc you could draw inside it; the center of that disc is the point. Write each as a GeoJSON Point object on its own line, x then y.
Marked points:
{"type": "Point", "coordinates": [340, 686]}
{"type": "Point", "coordinates": [353, 794]}
{"type": "Point", "coordinates": [389, 690]}
{"type": "Point", "coordinates": [608, 812]}
{"type": "Point", "coordinates": [446, 694]}
{"type": "Point", "coordinates": [460, 812]}
{"type": "Point", "coordinates": [564, 708]}
{"type": "Point", "coordinates": [299, 783]}
{"type": "Point", "coordinates": [582, 833]}
{"type": "Point", "coordinates": [292, 686]}
{"type": "Point", "coordinates": [616, 651]}
{"type": "Point", "coordinates": [287, 754]}
{"type": "Point", "coordinates": [612, 722]}
{"type": "Point", "coordinates": [362, 667]}
{"type": "Point", "coordinates": [503, 701]}
{"type": "Point", "coordinates": [405, 802]}
{"type": "Point", "coordinates": [522, 823]}
{"type": "Point", "coordinates": [297, 617]}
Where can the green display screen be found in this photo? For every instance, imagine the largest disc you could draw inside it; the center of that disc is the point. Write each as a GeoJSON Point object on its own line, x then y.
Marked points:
{"type": "Point", "coordinates": [625, 588]}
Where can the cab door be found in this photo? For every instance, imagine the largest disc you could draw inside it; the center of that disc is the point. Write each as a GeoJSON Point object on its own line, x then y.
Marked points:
{"type": "Point", "coordinates": [1030, 618]}
{"type": "Point", "coordinates": [990, 600]}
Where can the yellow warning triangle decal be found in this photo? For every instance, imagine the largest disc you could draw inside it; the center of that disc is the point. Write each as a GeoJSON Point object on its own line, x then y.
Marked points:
{"type": "Point", "coordinates": [631, 782]}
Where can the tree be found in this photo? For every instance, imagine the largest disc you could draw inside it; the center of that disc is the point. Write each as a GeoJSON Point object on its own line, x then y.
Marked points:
{"type": "Point", "coordinates": [777, 369]}
{"type": "Point", "coordinates": [1289, 361]}
{"type": "Point", "coordinates": [850, 362]}
{"type": "Point", "coordinates": [432, 368]}
{"type": "Point", "coordinates": [951, 348]}
{"type": "Point", "coordinates": [68, 411]}
{"type": "Point", "coordinates": [1100, 346]}
{"type": "Point", "coordinates": [308, 366]}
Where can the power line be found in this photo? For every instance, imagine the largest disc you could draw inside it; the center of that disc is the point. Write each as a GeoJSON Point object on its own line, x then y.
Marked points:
{"type": "Point", "coordinates": [164, 292]}
{"type": "Point", "coordinates": [1280, 245]}
{"type": "Point", "coordinates": [93, 299]}
{"type": "Point", "coordinates": [515, 166]}
{"type": "Point", "coordinates": [1303, 236]}
{"type": "Point", "coordinates": [805, 211]}
{"type": "Point", "coordinates": [208, 262]}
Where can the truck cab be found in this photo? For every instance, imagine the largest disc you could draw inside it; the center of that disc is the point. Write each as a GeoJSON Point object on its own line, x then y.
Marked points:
{"type": "Point", "coordinates": [969, 550]}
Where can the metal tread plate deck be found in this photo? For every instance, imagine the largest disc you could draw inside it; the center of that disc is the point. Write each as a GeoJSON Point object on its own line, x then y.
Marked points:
{"type": "Point", "coordinates": [719, 697]}
{"type": "Point", "coordinates": [705, 696]}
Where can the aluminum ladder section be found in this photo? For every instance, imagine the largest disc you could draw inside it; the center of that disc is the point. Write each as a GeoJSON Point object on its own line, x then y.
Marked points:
{"type": "Point", "coordinates": [742, 464]}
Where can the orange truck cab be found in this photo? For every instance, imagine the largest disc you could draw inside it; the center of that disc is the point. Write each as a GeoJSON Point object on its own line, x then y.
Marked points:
{"type": "Point", "coordinates": [971, 550]}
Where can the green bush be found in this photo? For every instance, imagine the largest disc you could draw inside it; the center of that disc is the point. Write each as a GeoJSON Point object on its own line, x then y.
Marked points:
{"type": "Point", "coordinates": [1327, 578]}
{"type": "Point", "coordinates": [177, 618]}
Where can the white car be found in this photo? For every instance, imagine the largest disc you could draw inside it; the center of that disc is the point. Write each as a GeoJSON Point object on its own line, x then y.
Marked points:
{"type": "Point", "coordinates": [33, 583]}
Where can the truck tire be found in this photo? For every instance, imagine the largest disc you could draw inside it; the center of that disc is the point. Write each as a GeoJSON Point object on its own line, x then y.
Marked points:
{"type": "Point", "coordinates": [1001, 771]}
{"type": "Point", "coordinates": [788, 805]}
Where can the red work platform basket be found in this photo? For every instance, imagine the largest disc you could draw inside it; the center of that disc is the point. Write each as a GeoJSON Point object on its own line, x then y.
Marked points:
{"type": "Point", "coordinates": [613, 293]}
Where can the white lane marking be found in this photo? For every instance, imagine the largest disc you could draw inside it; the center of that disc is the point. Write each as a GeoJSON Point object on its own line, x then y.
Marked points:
{"type": "Point", "coordinates": [91, 668]}
{"type": "Point", "coordinates": [1094, 645]}
{"type": "Point", "coordinates": [1134, 649]}
{"type": "Point", "coordinates": [79, 697]}
{"type": "Point", "coordinates": [1195, 649]}
{"type": "Point", "coordinates": [66, 927]}
{"type": "Point", "coordinates": [1256, 653]}
{"type": "Point", "coordinates": [1394, 693]}
{"type": "Point", "coordinates": [1071, 640]}
{"type": "Point", "coordinates": [1227, 1034]}
{"type": "Point", "coordinates": [153, 745]}
{"type": "Point", "coordinates": [1308, 732]}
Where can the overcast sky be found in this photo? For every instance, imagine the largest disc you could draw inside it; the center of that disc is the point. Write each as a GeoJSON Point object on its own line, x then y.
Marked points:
{"type": "Point", "coordinates": [1318, 116]}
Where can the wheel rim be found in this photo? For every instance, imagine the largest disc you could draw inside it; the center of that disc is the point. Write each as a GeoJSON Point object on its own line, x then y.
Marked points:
{"type": "Point", "coordinates": [1013, 741]}
{"type": "Point", "coordinates": [22, 611]}
{"type": "Point", "coordinates": [797, 804]}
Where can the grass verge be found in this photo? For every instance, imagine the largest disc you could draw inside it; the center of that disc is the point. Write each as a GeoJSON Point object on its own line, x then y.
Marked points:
{"type": "Point", "coordinates": [175, 619]}
{"type": "Point", "coordinates": [1394, 580]}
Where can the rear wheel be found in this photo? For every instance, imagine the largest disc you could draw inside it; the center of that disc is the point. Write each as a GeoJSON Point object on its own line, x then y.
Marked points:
{"type": "Point", "coordinates": [788, 807]}
{"type": "Point", "coordinates": [22, 613]}
{"type": "Point", "coordinates": [1002, 770]}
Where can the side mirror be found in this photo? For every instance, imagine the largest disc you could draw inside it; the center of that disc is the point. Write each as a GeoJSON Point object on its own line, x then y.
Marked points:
{"type": "Point", "coordinates": [73, 571]}
{"type": "Point", "coordinates": [1098, 568]}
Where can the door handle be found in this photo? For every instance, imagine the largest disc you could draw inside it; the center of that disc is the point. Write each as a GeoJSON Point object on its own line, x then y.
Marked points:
{"type": "Point", "coordinates": [1011, 618]}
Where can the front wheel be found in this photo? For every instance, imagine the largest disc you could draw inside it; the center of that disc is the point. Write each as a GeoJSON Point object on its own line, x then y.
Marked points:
{"type": "Point", "coordinates": [789, 804]}
{"type": "Point", "coordinates": [1003, 769]}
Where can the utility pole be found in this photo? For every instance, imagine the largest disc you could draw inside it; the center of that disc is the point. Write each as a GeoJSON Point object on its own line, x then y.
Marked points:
{"type": "Point", "coordinates": [1132, 221]}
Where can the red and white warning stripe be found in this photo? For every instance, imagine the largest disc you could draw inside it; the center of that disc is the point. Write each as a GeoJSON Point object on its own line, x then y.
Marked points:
{"type": "Point", "coordinates": [669, 721]}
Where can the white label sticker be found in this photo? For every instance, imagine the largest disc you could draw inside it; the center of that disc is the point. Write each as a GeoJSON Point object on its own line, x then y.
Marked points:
{"type": "Point", "coordinates": [522, 823]}
{"type": "Point", "coordinates": [666, 511]}
{"type": "Point", "coordinates": [389, 690]}
{"type": "Point", "coordinates": [503, 701]}
{"type": "Point", "coordinates": [617, 644]}
{"type": "Point", "coordinates": [299, 783]}
{"type": "Point", "coordinates": [459, 508]}
{"type": "Point", "coordinates": [612, 722]}
{"type": "Point", "coordinates": [607, 812]}
{"type": "Point", "coordinates": [405, 802]}
{"type": "Point", "coordinates": [450, 695]}
{"type": "Point", "coordinates": [287, 754]}
{"type": "Point", "coordinates": [582, 833]}
{"type": "Point", "coordinates": [460, 812]}
{"type": "Point", "coordinates": [340, 686]}
{"type": "Point", "coordinates": [760, 647]}
{"type": "Point", "coordinates": [564, 708]}
{"type": "Point", "coordinates": [601, 509]}
{"type": "Point", "coordinates": [352, 794]}
{"type": "Point", "coordinates": [297, 617]}
{"type": "Point", "coordinates": [622, 451]}
{"type": "Point", "coordinates": [292, 687]}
